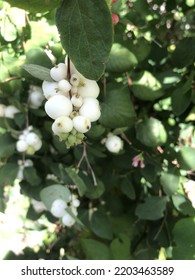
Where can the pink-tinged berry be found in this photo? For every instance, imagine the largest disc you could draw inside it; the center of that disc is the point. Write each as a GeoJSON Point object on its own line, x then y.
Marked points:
{"type": "Point", "coordinates": [115, 18]}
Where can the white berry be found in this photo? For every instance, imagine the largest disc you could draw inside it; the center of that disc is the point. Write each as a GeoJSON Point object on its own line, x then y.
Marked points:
{"type": "Point", "coordinates": [68, 220]}
{"type": "Point", "coordinates": [90, 109]}
{"type": "Point", "coordinates": [59, 72]}
{"type": "Point", "coordinates": [81, 124]}
{"type": "Point", "coordinates": [75, 203]}
{"type": "Point", "coordinates": [114, 144]}
{"type": "Point", "coordinates": [49, 89]}
{"type": "Point", "coordinates": [32, 138]}
{"type": "Point", "coordinates": [58, 208]}
{"type": "Point", "coordinates": [64, 86]}
{"type": "Point", "coordinates": [62, 124]}
{"type": "Point", "coordinates": [74, 80]}
{"type": "Point", "coordinates": [58, 106]}
{"type": "Point", "coordinates": [88, 88]}
{"type": "Point", "coordinates": [10, 111]}
{"type": "Point", "coordinates": [21, 146]}
{"type": "Point", "coordinates": [35, 99]}
{"type": "Point", "coordinates": [2, 110]}
{"type": "Point", "coordinates": [77, 100]}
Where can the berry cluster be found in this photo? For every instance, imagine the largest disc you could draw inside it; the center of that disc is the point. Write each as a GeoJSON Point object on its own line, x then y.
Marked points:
{"type": "Point", "coordinates": [71, 102]}
{"type": "Point", "coordinates": [28, 141]}
{"type": "Point", "coordinates": [59, 210]}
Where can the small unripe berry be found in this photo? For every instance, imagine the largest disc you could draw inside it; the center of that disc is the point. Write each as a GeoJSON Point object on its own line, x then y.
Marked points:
{"type": "Point", "coordinates": [58, 106]}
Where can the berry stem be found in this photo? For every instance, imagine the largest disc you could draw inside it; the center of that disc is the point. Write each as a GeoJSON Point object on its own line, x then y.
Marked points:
{"type": "Point", "coordinates": [69, 74]}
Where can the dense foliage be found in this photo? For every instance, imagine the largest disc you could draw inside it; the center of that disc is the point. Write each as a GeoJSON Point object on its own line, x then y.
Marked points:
{"type": "Point", "coordinates": [128, 190]}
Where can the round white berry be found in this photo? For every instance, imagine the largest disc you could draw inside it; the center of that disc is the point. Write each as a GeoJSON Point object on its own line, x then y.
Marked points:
{"type": "Point", "coordinates": [49, 89]}
{"type": "Point", "coordinates": [32, 138]}
{"type": "Point", "coordinates": [38, 145]}
{"type": "Point", "coordinates": [58, 72]}
{"type": "Point", "coordinates": [64, 86]}
{"type": "Point", "coordinates": [62, 124]}
{"type": "Point", "coordinates": [88, 88]}
{"type": "Point", "coordinates": [74, 80]}
{"type": "Point", "coordinates": [114, 144]}
{"type": "Point", "coordinates": [21, 146]}
{"type": "Point", "coordinates": [74, 90]}
{"type": "Point", "coordinates": [77, 100]}
{"type": "Point", "coordinates": [91, 111]}
{"type": "Point", "coordinates": [75, 203]}
{"type": "Point", "coordinates": [35, 99]}
{"type": "Point", "coordinates": [68, 220]}
{"type": "Point", "coordinates": [2, 110]}
{"type": "Point", "coordinates": [58, 106]}
{"type": "Point", "coordinates": [58, 208]}
{"type": "Point", "coordinates": [81, 124]}
{"type": "Point", "coordinates": [10, 111]}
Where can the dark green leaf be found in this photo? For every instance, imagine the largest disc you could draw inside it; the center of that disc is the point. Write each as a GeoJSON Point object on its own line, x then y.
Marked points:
{"type": "Point", "coordinates": [184, 53]}
{"type": "Point", "coordinates": [30, 175]}
{"type": "Point", "coordinates": [86, 33]}
{"type": "Point", "coordinates": [7, 145]}
{"type": "Point", "coordinates": [127, 188]}
{"type": "Point", "coordinates": [95, 250]}
{"type": "Point", "coordinates": [76, 180]}
{"type": "Point", "coordinates": [38, 72]}
{"type": "Point", "coordinates": [117, 108]}
{"type": "Point", "coordinates": [8, 174]}
{"type": "Point", "coordinates": [152, 209]}
{"type": "Point", "coordinates": [120, 247]}
{"type": "Point", "coordinates": [186, 158]}
{"type": "Point", "coordinates": [53, 192]}
{"type": "Point", "coordinates": [184, 232]}
{"type": "Point", "coordinates": [101, 226]}
{"type": "Point", "coordinates": [183, 205]}
{"type": "Point", "coordinates": [170, 181]}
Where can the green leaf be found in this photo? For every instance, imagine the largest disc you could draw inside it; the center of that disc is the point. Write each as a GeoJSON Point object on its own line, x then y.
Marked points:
{"type": "Point", "coordinates": [85, 27]}
{"type": "Point", "coordinates": [117, 108]}
{"type": "Point", "coordinates": [151, 132]}
{"type": "Point", "coordinates": [183, 205]}
{"type": "Point", "coordinates": [170, 181]}
{"type": "Point", "coordinates": [121, 59]}
{"type": "Point", "coordinates": [146, 87]}
{"type": "Point", "coordinates": [127, 188]}
{"type": "Point", "coordinates": [152, 209]}
{"type": "Point", "coordinates": [120, 247]}
{"type": "Point", "coordinates": [39, 72]}
{"type": "Point", "coordinates": [94, 192]}
{"type": "Point", "coordinates": [35, 5]}
{"type": "Point", "coordinates": [181, 97]}
{"type": "Point", "coordinates": [184, 53]}
{"type": "Point", "coordinates": [186, 158]}
{"type": "Point", "coordinates": [53, 192]}
{"type": "Point", "coordinates": [7, 145]}
{"type": "Point", "coordinates": [8, 174]}
{"type": "Point", "coordinates": [184, 232]}
{"type": "Point", "coordinates": [95, 250]}
{"type": "Point", "coordinates": [77, 180]}
{"type": "Point", "coordinates": [101, 226]}
{"type": "Point", "coordinates": [30, 175]}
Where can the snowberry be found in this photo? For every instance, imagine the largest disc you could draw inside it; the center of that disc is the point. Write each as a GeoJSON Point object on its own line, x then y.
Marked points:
{"type": "Point", "coordinates": [58, 106]}
{"type": "Point", "coordinates": [114, 144]}
{"type": "Point", "coordinates": [90, 109]}
{"type": "Point", "coordinates": [75, 203]}
{"type": "Point", "coordinates": [62, 124]}
{"type": "Point", "coordinates": [21, 146]}
{"type": "Point", "coordinates": [74, 90]}
{"type": "Point", "coordinates": [68, 220]}
{"type": "Point", "coordinates": [77, 101]}
{"type": "Point", "coordinates": [58, 208]}
{"type": "Point", "coordinates": [58, 72]}
{"type": "Point", "coordinates": [49, 89]}
{"type": "Point", "coordinates": [64, 86]}
{"type": "Point", "coordinates": [38, 145]}
{"type": "Point", "coordinates": [74, 80]}
{"type": "Point", "coordinates": [10, 111]}
{"type": "Point", "coordinates": [88, 88]}
{"type": "Point", "coordinates": [38, 206]}
{"type": "Point", "coordinates": [2, 110]}
{"type": "Point", "coordinates": [32, 138]}
{"type": "Point", "coordinates": [81, 124]}
{"type": "Point", "coordinates": [35, 99]}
